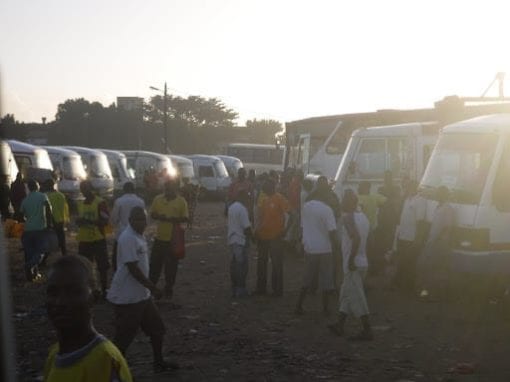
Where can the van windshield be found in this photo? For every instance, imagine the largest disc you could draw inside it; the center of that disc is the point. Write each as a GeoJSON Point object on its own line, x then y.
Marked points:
{"type": "Point", "coordinates": [460, 162]}
{"type": "Point", "coordinates": [186, 170]}
{"type": "Point", "coordinates": [220, 169]}
{"type": "Point", "coordinates": [73, 168]}
{"type": "Point", "coordinates": [99, 167]}
{"type": "Point", "coordinates": [43, 160]}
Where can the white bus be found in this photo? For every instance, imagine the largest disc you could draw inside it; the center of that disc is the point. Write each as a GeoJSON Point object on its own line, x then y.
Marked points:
{"type": "Point", "coordinates": [118, 165]}
{"type": "Point", "coordinates": [27, 155]}
{"type": "Point", "coordinates": [258, 157]}
{"type": "Point", "coordinates": [472, 159]}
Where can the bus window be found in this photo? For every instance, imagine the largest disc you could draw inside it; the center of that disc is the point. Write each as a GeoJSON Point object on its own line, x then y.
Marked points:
{"type": "Point", "coordinates": [397, 156]}
{"type": "Point", "coordinates": [501, 188]}
{"type": "Point", "coordinates": [205, 172]}
{"type": "Point", "coordinates": [23, 163]}
{"type": "Point", "coordinates": [337, 144]}
{"type": "Point", "coordinates": [371, 158]}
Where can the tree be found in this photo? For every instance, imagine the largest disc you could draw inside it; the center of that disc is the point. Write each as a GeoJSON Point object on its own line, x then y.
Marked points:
{"type": "Point", "coordinates": [264, 130]}
{"type": "Point", "coordinates": [191, 112]}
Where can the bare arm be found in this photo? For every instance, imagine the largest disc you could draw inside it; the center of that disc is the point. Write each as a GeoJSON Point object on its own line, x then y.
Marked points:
{"type": "Point", "coordinates": [140, 277]}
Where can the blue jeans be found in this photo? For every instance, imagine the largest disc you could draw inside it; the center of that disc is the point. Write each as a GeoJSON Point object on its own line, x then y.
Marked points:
{"type": "Point", "coordinates": [34, 246]}
{"type": "Point", "coordinates": [238, 268]}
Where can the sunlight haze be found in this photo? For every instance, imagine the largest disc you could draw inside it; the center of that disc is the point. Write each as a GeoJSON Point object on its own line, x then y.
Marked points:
{"type": "Point", "coordinates": [284, 60]}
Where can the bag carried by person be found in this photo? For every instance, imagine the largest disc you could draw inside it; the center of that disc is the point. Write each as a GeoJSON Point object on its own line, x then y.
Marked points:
{"type": "Point", "coordinates": [178, 242]}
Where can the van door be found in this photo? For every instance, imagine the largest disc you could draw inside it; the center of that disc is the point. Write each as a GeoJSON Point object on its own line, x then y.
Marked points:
{"type": "Point", "coordinates": [303, 153]}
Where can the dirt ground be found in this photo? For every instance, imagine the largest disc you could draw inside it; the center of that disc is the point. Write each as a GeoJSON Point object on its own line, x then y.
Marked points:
{"type": "Point", "coordinates": [216, 338]}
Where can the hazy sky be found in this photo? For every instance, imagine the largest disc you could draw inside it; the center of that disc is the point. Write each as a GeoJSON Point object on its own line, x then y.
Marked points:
{"type": "Point", "coordinates": [282, 59]}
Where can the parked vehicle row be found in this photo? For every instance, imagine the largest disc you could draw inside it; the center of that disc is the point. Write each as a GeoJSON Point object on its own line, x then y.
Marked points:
{"type": "Point", "coordinates": [109, 170]}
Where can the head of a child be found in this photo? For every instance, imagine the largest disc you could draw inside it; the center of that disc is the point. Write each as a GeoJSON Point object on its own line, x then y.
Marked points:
{"type": "Point", "coordinates": [69, 294]}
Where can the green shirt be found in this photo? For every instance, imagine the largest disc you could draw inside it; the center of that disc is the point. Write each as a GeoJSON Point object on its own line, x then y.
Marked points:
{"type": "Point", "coordinates": [59, 206]}
{"type": "Point", "coordinates": [34, 209]}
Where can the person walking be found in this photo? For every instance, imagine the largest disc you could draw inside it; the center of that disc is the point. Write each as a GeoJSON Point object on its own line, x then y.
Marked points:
{"type": "Point", "coordinates": [131, 290]}
{"type": "Point", "coordinates": [167, 209]}
{"type": "Point", "coordinates": [18, 193]}
{"type": "Point", "coordinates": [241, 183]}
{"type": "Point", "coordinates": [353, 302]}
{"type": "Point", "coordinates": [120, 214]}
{"type": "Point", "coordinates": [269, 232]}
{"type": "Point", "coordinates": [60, 210]}
{"type": "Point", "coordinates": [238, 240]}
{"type": "Point", "coordinates": [409, 238]}
{"type": "Point", "coordinates": [320, 242]}
{"type": "Point", "coordinates": [81, 353]}
{"type": "Point", "coordinates": [92, 218]}
{"type": "Point", "coordinates": [37, 210]}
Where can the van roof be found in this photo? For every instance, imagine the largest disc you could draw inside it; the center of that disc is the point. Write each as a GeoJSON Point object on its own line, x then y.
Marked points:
{"type": "Point", "coordinates": [116, 153]}
{"type": "Point", "coordinates": [483, 124]}
{"type": "Point", "coordinates": [148, 153]}
{"type": "Point", "coordinates": [60, 150]}
{"type": "Point", "coordinates": [180, 159]}
{"type": "Point", "coordinates": [255, 145]}
{"type": "Point", "coordinates": [229, 157]}
{"type": "Point", "coordinates": [204, 157]}
{"type": "Point", "coordinates": [414, 128]}
{"type": "Point", "coordinates": [84, 150]}
{"type": "Point", "coordinates": [22, 147]}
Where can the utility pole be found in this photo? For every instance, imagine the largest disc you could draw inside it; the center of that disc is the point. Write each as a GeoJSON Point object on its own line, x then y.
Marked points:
{"type": "Point", "coordinates": [165, 119]}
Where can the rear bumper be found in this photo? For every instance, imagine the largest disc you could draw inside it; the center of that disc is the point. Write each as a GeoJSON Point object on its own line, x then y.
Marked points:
{"type": "Point", "coordinates": [489, 262]}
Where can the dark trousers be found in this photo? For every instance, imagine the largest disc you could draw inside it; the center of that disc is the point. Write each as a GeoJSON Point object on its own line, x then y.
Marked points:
{"type": "Point", "coordinates": [406, 259]}
{"type": "Point", "coordinates": [270, 249]}
{"type": "Point", "coordinates": [33, 246]}
{"type": "Point", "coordinates": [114, 255]}
{"type": "Point", "coordinates": [61, 236]}
{"type": "Point", "coordinates": [162, 257]}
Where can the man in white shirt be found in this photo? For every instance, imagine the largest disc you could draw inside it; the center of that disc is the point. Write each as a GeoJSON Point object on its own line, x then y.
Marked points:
{"type": "Point", "coordinates": [320, 242]}
{"type": "Point", "coordinates": [409, 238]}
{"type": "Point", "coordinates": [120, 214]}
{"type": "Point", "coordinates": [238, 239]}
{"type": "Point", "coordinates": [355, 229]}
{"type": "Point", "coordinates": [131, 289]}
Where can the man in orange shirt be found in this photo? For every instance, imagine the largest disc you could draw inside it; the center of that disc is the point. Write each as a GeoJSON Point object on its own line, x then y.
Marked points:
{"type": "Point", "coordinates": [269, 231]}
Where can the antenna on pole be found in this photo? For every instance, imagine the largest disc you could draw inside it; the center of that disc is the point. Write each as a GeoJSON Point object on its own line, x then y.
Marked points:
{"type": "Point", "coordinates": [500, 78]}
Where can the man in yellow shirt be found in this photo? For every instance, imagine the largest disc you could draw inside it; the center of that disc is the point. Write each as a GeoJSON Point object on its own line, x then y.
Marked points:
{"type": "Point", "coordinates": [81, 354]}
{"type": "Point", "coordinates": [167, 209]}
{"type": "Point", "coordinates": [93, 216]}
{"type": "Point", "coordinates": [60, 210]}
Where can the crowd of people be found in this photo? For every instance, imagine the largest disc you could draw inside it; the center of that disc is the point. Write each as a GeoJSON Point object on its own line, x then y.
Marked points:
{"type": "Point", "coordinates": [281, 215]}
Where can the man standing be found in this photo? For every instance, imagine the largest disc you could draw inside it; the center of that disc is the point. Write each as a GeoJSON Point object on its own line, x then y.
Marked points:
{"type": "Point", "coordinates": [37, 210]}
{"type": "Point", "coordinates": [60, 210]}
{"type": "Point", "coordinates": [92, 218]}
{"type": "Point", "coordinates": [120, 214]}
{"type": "Point", "coordinates": [167, 209]}
{"type": "Point", "coordinates": [320, 242]}
{"type": "Point", "coordinates": [355, 227]}
{"type": "Point", "coordinates": [18, 193]}
{"type": "Point", "coordinates": [131, 289]}
{"type": "Point", "coordinates": [409, 237]}
{"type": "Point", "coordinates": [81, 354]}
{"type": "Point", "coordinates": [238, 240]}
{"type": "Point", "coordinates": [270, 229]}
{"type": "Point", "coordinates": [238, 185]}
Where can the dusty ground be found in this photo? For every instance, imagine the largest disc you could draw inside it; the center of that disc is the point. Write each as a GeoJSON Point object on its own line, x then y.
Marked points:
{"type": "Point", "coordinates": [216, 338]}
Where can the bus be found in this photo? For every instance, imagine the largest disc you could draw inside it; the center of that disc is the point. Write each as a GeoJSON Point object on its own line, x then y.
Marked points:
{"type": "Point", "coordinates": [258, 157]}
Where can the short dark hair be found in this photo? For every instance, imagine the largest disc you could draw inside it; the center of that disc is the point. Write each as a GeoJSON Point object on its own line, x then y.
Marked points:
{"type": "Point", "coordinates": [129, 188]}
{"type": "Point", "coordinates": [32, 185]}
{"type": "Point", "coordinates": [68, 262]}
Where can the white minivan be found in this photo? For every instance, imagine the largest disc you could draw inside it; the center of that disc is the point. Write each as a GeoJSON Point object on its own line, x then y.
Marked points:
{"type": "Point", "coordinates": [232, 164]}
{"type": "Point", "coordinates": [8, 165]}
{"type": "Point", "coordinates": [212, 174]}
{"type": "Point", "coordinates": [185, 168]}
{"type": "Point", "coordinates": [27, 155]}
{"type": "Point", "coordinates": [139, 162]}
{"type": "Point", "coordinates": [119, 167]}
{"type": "Point", "coordinates": [68, 165]}
{"type": "Point", "coordinates": [97, 168]}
